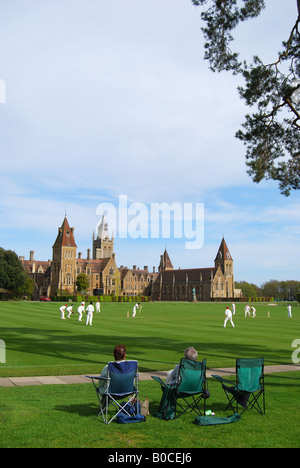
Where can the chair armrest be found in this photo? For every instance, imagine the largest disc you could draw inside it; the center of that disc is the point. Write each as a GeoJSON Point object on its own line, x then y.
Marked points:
{"type": "Point", "coordinates": [220, 379]}
{"type": "Point", "coordinates": [97, 378]}
{"type": "Point", "coordinates": [158, 379]}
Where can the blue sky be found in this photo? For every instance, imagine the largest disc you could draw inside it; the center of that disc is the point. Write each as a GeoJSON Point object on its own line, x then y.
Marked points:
{"type": "Point", "coordinates": [104, 99]}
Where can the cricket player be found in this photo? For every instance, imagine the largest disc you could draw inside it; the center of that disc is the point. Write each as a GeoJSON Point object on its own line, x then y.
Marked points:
{"type": "Point", "coordinates": [89, 314]}
{"type": "Point", "coordinates": [70, 310]}
{"type": "Point", "coordinates": [289, 311]}
{"type": "Point", "coordinates": [62, 311]}
{"type": "Point", "coordinates": [98, 306]}
{"type": "Point", "coordinates": [253, 312]}
{"type": "Point", "coordinates": [247, 310]}
{"type": "Point", "coordinates": [137, 306]}
{"type": "Point", "coordinates": [228, 316]}
{"type": "Point", "coordinates": [80, 311]}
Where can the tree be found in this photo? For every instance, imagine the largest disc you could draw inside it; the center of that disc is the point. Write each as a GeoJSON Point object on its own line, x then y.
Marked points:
{"type": "Point", "coordinates": [248, 290]}
{"type": "Point", "coordinates": [82, 282]}
{"type": "Point", "coordinates": [271, 132]}
{"type": "Point", "coordinates": [12, 274]}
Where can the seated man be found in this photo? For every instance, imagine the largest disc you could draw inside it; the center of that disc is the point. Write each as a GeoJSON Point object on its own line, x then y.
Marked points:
{"type": "Point", "coordinates": [119, 355]}
{"type": "Point", "coordinates": [189, 353]}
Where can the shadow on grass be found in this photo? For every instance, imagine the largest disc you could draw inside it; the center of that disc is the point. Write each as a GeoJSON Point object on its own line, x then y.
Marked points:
{"type": "Point", "coordinates": [85, 410]}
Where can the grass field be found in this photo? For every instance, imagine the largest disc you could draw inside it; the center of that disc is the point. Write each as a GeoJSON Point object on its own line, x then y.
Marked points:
{"type": "Point", "coordinates": [39, 343]}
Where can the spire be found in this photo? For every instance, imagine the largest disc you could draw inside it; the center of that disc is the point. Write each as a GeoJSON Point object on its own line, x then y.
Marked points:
{"type": "Point", "coordinates": [223, 252]}
{"type": "Point", "coordinates": [65, 235]}
{"type": "Point", "coordinates": [165, 262]}
{"type": "Point", "coordinates": [103, 229]}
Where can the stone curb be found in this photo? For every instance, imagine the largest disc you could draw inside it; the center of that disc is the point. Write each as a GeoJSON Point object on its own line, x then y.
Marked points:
{"type": "Point", "coordinates": [143, 376]}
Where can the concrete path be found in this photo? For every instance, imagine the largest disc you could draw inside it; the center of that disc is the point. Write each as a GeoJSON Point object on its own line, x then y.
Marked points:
{"type": "Point", "coordinates": [79, 379]}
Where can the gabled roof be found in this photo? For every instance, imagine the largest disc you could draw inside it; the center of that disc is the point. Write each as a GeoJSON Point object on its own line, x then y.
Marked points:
{"type": "Point", "coordinates": [165, 263]}
{"type": "Point", "coordinates": [65, 237]}
{"type": "Point", "coordinates": [95, 265]}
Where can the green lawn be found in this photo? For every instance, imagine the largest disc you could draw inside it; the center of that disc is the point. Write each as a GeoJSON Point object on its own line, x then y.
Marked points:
{"type": "Point", "coordinates": [66, 416]}
{"type": "Point", "coordinates": [39, 343]}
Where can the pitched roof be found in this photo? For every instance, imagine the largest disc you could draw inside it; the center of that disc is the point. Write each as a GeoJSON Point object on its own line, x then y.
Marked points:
{"type": "Point", "coordinates": [65, 236]}
{"type": "Point", "coordinates": [95, 265]}
{"type": "Point", "coordinates": [165, 263]}
{"type": "Point", "coordinates": [194, 275]}
{"type": "Point", "coordinates": [223, 249]}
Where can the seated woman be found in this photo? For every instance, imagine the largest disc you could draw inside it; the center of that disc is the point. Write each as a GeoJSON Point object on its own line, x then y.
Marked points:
{"type": "Point", "coordinates": [119, 355]}
{"type": "Point", "coordinates": [172, 376]}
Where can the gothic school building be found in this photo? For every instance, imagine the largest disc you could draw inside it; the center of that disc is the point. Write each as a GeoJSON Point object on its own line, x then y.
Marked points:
{"type": "Point", "coordinates": [105, 277]}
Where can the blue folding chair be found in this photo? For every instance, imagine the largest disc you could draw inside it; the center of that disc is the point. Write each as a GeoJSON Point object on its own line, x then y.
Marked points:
{"type": "Point", "coordinates": [121, 383]}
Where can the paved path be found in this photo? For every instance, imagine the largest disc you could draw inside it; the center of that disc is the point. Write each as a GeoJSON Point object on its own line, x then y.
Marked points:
{"type": "Point", "coordinates": [79, 379]}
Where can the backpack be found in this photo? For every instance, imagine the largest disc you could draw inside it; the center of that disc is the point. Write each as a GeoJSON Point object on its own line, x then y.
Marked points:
{"type": "Point", "coordinates": [133, 410]}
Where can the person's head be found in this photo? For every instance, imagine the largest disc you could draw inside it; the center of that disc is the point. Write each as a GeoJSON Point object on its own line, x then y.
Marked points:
{"type": "Point", "coordinates": [191, 353]}
{"type": "Point", "coordinates": [120, 352]}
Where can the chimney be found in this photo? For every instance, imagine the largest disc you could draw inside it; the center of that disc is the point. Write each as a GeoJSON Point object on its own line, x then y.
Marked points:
{"type": "Point", "coordinates": [31, 256]}
{"type": "Point", "coordinates": [89, 254]}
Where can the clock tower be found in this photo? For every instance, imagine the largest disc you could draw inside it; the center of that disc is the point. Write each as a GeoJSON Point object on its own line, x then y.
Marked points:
{"type": "Point", "coordinates": [63, 271]}
{"type": "Point", "coordinates": [103, 245]}
{"type": "Point", "coordinates": [224, 262]}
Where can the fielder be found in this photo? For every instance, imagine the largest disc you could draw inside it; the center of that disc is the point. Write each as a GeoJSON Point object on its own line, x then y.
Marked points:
{"type": "Point", "coordinates": [253, 312]}
{"type": "Point", "coordinates": [70, 310]}
{"type": "Point", "coordinates": [98, 306]}
{"type": "Point", "coordinates": [62, 312]}
{"type": "Point", "coordinates": [247, 310]}
{"type": "Point", "coordinates": [289, 311]}
{"type": "Point", "coordinates": [89, 314]}
{"type": "Point", "coordinates": [228, 316]}
{"type": "Point", "coordinates": [80, 311]}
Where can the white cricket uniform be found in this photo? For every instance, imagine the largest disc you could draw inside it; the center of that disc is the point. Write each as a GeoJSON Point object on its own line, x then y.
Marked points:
{"type": "Point", "coordinates": [62, 312]}
{"type": "Point", "coordinates": [134, 310]}
{"type": "Point", "coordinates": [70, 310]}
{"type": "Point", "coordinates": [228, 316]}
{"type": "Point", "coordinates": [89, 314]}
{"type": "Point", "coordinates": [80, 311]}
{"type": "Point", "coordinates": [98, 307]}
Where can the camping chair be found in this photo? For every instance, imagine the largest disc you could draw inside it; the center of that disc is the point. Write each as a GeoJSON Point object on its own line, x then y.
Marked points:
{"type": "Point", "coordinates": [121, 383]}
{"type": "Point", "coordinates": [249, 386]}
{"type": "Point", "coordinates": [187, 393]}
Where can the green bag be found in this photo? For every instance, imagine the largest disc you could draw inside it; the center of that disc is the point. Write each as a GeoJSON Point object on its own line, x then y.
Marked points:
{"type": "Point", "coordinates": [167, 406]}
{"type": "Point", "coordinates": [212, 420]}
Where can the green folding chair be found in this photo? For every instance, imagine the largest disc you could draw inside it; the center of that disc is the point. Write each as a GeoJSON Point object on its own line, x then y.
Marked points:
{"type": "Point", "coordinates": [249, 388]}
{"type": "Point", "coordinates": [187, 393]}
